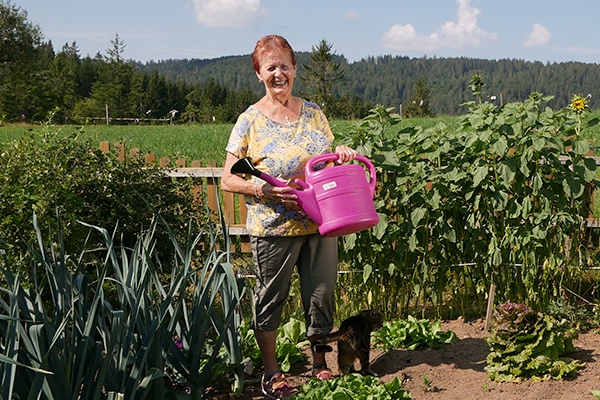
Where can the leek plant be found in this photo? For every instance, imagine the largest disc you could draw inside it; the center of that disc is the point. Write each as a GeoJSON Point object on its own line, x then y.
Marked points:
{"type": "Point", "coordinates": [124, 332]}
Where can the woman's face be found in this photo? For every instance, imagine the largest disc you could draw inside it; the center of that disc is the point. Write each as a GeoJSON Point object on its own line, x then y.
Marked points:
{"type": "Point", "coordinates": [277, 72]}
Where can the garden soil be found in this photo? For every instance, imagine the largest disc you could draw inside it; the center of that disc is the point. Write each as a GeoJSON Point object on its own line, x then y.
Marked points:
{"type": "Point", "coordinates": [456, 371]}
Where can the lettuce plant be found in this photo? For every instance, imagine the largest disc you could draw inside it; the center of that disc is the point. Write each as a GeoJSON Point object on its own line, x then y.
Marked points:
{"type": "Point", "coordinates": [352, 387]}
{"type": "Point", "coordinates": [525, 344]}
{"type": "Point", "coordinates": [412, 334]}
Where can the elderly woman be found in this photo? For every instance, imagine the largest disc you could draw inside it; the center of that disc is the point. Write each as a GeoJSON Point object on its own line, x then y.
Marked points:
{"type": "Point", "coordinates": [280, 133]}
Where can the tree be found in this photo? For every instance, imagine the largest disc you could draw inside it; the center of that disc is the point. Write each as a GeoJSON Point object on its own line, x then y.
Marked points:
{"type": "Point", "coordinates": [418, 104]}
{"type": "Point", "coordinates": [19, 44]}
{"type": "Point", "coordinates": [113, 86]}
{"type": "Point", "coordinates": [63, 78]}
{"type": "Point", "coordinates": [323, 78]}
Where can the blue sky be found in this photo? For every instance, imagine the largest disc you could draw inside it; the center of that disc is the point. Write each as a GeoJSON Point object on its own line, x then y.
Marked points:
{"type": "Point", "coordinates": [533, 30]}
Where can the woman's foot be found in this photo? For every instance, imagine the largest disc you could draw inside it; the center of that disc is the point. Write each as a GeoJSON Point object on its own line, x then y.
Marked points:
{"type": "Point", "coordinates": [276, 387]}
{"type": "Point", "coordinates": [320, 371]}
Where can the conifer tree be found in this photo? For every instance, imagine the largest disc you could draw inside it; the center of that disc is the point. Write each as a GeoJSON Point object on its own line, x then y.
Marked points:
{"type": "Point", "coordinates": [418, 103]}
{"type": "Point", "coordinates": [323, 78]}
{"type": "Point", "coordinates": [20, 42]}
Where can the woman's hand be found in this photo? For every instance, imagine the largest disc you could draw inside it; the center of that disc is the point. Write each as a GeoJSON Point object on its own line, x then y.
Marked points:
{"type": "Point", "coordinates": [281, 193]}
{"type": "Point", "coordinates": [345, 154]}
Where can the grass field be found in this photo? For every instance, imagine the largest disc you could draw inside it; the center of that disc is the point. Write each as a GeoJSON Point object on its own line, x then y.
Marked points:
{"type": "Point", "coordinates": [194, 142]}
{"type": "Point", "coordinates": [191, 142]}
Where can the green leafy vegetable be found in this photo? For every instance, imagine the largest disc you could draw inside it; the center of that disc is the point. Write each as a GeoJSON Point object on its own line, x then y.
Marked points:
{"type": "Point", "coordinates": [412, 334]}
{"type": "Point", "coordinates": [352, 387]}
{"type": "Point", "coordinates": [525, 344]}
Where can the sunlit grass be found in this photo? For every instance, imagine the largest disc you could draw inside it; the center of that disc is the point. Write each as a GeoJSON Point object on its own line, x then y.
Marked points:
{"type": "Point", "coordinates": [203, 142]}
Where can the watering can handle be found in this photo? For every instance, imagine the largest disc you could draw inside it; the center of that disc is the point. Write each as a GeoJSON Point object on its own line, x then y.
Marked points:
{"type": "Point", "coordinates": [335, 156]}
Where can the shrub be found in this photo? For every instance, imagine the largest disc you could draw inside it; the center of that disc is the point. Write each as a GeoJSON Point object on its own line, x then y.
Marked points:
{"type": "Point", "coordinates": [48, 173]}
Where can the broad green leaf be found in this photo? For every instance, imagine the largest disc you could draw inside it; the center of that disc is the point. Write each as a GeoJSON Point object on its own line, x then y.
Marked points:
{"type": "Point", "coordinates": [500, 146]}
{"type": "Point", "coordinates": [572, 187]}
{"type": "Point", "coordinates": [367, 270]}
{"type": "Point", "coordinates": [417, 215]}
{"type": "Point", "coordinates": [537, 184]}
{"type": "Point", "coordinates": [581, 146]}
{"type": "Point", "coordinates": [380, 229]}
{"type": "Point", "coordinates": [586, 169]}
{"type": "Point", "coordinates": [526, 207]}
{"type": "Point", "coordinates": [479, 175]}
{"type": "Point", "coordinates": [507, 170]}
{"type": "Point", "coordinates": [539, 143]}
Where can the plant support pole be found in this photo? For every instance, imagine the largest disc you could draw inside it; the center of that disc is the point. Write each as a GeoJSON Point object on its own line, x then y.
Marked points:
{"type": "Point", "coordinates": [490, 306]}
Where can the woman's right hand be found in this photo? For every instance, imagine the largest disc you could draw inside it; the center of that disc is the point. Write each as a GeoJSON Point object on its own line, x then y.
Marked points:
{"type": "Point", "coordinates": [281, 193]}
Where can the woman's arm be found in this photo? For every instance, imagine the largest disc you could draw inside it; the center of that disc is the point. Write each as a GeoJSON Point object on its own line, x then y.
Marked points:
{"type": "Point", "coordinates": [234, 183]}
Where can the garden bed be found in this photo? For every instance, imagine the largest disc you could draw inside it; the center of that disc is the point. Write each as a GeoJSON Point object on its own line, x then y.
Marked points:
{"type": "Point", "coordinates": [456, 371]}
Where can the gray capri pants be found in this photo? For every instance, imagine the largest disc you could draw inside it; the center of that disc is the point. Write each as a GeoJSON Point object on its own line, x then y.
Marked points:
{"type": "Point", "coordinates": [274, 259]}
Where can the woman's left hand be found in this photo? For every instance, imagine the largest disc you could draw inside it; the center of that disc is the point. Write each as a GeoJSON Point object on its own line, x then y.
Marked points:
{"type": "Point", "coordinates": [345, 154]}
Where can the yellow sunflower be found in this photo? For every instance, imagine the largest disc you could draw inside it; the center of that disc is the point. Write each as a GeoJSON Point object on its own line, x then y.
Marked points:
{"type": "Point", "coordinates": [579, 104]}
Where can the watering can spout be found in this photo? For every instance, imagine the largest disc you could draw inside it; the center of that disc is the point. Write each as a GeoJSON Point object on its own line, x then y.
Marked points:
{"type": "Point", "coordinates": [305, 196]}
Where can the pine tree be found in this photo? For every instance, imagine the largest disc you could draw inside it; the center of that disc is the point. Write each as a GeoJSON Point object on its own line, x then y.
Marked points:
{"type": "Point", "coordinates": [323, 78]}
{"type": "Point", "coordinates": [20, 48]}
{"type": "Point", "coordinates": [418, 103]}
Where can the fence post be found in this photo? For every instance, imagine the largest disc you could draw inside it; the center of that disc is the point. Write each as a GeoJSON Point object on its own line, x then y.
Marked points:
{"type": "Point", "coordinates": [120, 147]}
{"type": "Point", "coordinates": [150, 158]}
{"type": "Point", "coordinates": [134, 153]}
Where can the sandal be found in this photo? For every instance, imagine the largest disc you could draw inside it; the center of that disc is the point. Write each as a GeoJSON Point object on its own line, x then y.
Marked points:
{"type": "Point", "coordinates": [320, 371]}
{"type": "Point", "coordinates": [276, 387]}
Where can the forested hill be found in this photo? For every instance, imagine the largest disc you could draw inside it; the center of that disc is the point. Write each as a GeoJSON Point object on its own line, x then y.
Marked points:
{"type": "Point", "coordinates": [389, 80]}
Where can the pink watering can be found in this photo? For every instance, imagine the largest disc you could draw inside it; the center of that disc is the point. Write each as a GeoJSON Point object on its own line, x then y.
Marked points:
{"type": "Point", "coordinates": [339, 199]}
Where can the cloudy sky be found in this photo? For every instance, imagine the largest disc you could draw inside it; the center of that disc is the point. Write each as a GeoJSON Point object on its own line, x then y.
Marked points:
{"type": "Point", "coordinates": [533, 30]}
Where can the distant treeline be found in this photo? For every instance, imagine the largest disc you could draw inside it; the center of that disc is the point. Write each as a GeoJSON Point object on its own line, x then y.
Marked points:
{"type": "Point", "coordinates": [37, 81]}
{"type": "Point", "coordinates": [389, 80]}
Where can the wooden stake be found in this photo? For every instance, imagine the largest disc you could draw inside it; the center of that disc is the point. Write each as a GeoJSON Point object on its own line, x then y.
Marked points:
{"type": "Point", "coordinates": [490, 306]}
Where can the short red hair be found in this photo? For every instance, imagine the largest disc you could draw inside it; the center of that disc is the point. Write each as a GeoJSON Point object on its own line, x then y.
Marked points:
{"type": "Point", "coordinates": [268, 43]}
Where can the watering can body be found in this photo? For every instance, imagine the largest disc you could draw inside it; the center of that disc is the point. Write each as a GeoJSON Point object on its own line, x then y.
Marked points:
{"type": "Point", "coordinates": [339, 199]}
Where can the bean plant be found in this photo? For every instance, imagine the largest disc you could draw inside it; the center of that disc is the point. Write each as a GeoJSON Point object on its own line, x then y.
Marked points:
{"type": "Point", "coordinates": [501, 200]}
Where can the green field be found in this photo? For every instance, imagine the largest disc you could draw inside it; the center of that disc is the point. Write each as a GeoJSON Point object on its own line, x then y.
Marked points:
{"type": "Point", "coordinates": [191, 142]}
{"type": "Point", "coordinates": [196, 142]}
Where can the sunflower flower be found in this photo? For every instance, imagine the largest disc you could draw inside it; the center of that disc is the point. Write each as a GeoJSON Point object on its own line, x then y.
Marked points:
{"type": "Point", "coordinates": [579, 104]}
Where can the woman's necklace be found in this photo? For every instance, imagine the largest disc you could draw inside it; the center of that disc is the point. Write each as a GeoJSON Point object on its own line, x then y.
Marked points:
{"type": "Point", "coordinates": [287, 115]}
{"type": "Point", "coordinates": [288, 111]}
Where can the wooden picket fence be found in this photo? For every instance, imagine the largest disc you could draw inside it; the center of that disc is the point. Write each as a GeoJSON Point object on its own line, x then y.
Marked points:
{"type": "Point", "coordinates": [206, 185]}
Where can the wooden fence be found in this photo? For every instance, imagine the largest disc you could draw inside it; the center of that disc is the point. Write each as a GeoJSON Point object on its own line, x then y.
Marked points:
{"type": "Point", "coordinates": [233, 206]}
{"type": "Point", "coordinates": [206, 183]}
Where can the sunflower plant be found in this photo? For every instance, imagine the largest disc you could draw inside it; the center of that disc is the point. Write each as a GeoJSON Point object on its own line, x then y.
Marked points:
{"type": "Point", "coordinates": [579, 105]}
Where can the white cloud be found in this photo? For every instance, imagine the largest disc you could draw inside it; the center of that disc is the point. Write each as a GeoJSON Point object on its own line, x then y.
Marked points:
{"type": "Point", "coordinates": [351, 15]}
{"type": "Point", "coordinates": [459, 34]}
{"type": "Point", "coordinates": [229, 13]}
{"type": "Point", "coordinates": [539, 35]}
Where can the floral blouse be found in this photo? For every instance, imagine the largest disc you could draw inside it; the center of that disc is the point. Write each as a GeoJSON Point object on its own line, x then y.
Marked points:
{"type": "Point", "coordinates": [279, 150]}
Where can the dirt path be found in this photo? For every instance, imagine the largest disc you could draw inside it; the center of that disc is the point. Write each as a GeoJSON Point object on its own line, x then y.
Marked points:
{"type": "Point", "coordinates": [456, 371]}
